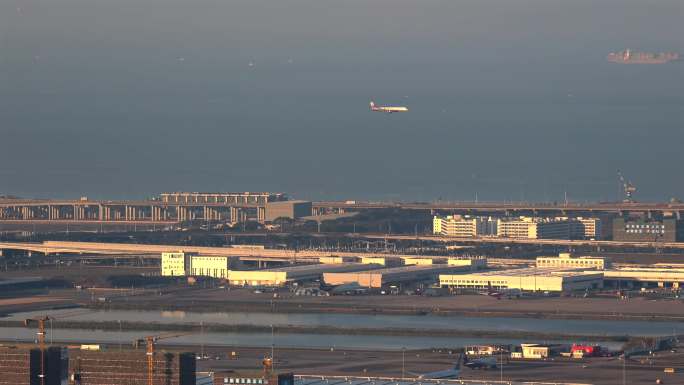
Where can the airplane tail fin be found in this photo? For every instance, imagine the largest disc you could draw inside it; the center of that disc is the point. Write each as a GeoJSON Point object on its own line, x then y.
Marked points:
{"type": "Point", "coordinates": [372, 104]}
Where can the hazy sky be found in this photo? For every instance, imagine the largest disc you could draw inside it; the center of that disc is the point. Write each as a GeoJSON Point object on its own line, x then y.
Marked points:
{"type": "Point", "coordinates": [509, 99]}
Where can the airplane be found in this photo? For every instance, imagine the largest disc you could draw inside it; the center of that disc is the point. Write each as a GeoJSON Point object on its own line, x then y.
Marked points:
{"type": "Point", "coordinates": [352, 288]}
{"type": "Point", "coordinates": [480, 363]}
{"type": "Point", "coordinates": [387, 109]}
{"type": "Point", "coordinates": [501, 292]}
{"type": "Point", "coordinates": [441, 374]}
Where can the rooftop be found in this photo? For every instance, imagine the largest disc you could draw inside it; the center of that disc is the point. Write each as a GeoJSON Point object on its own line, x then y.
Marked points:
{"type": "Point", "coordinates": [536, 271]}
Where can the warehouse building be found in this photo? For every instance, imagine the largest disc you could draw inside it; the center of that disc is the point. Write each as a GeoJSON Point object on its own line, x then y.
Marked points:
{"type": "Point", "coordinates": [526, 279]}
{"type": "Point", "coordinates": [565, 260]}
{"type": "Point", "coordinates": [287, 209]}
{"type": "Point", "coordinates": [418, 261]}
{"type": "Point", "coordinates": [337, 260]}
{"type": "Point", "coordinates": [285, 275]}
{"type": "Point", "coordinates": [383, 277]}
{"type": "Point", "coordinates": [387, 262]}
{"type": "Point", "coordinates": [660, 276]}
{"type": "Point", "coordinates": [474, 263]}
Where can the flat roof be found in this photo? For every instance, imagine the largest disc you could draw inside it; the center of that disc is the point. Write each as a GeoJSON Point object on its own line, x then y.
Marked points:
{"type": "Point", "coordinates": [320, 267]}
{"type": "Point", "coordinates": [413, 268]}
{"type": "Point", "coordinates": [535, 271]}
{"type": "Point", "coordinates": [646, 274]}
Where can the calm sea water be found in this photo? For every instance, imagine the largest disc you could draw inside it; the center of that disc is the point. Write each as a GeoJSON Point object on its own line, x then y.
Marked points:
{"type": "Point", "coordinates": [281, 340]}
{"type": "Point", "coordinates": [427, 322]}
{"type": "Point", "coordinates": [509, 99]}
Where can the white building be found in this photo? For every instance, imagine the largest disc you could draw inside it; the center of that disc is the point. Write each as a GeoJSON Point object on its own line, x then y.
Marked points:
{"type": "Point", "coordinates": [526, 279]}
{"type": "Point", "coordinates": [533, 228]}
{"type": "Point", "coordinates": [179, 264]}
{"type": "Point", "coordinates": [463, 226]}
{"type": "Point", "coordinates": [565, 260]}
{"type": "Point", "coordinates": [175, 264]}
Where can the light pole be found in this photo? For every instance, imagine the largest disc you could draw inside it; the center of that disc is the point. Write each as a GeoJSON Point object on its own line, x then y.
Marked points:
{"type": "Point", "coordinates": [120, 332]}
{"type": "Point", "coordinates": [202, 338]}
{"type": "Point", "coordinates": [403, 362]}
{"type": "Point", "coordinates": [272, 348]}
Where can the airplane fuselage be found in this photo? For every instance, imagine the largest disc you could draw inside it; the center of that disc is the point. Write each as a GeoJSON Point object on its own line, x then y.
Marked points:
{"type": "Point", "coordinates": [387, 109]}
{"type": "Point", "coordinates": [443, 374]}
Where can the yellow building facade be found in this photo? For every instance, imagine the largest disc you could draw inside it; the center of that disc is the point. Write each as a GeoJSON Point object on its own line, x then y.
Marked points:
{"type": "Point", "coordinates": [565, 260]}
{"type": "Point", "coordinates": [175, 264]}
{"type": "Point", "coordinates": [209, 266]}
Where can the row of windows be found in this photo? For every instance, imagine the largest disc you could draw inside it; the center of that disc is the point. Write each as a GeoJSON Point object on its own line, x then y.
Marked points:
{"type": "Point", "coordinates": [209, 272]}
{"type": "Point", "coordinates": [570, 263]}
{"type": "Point", "coordinates": [651, 231]}
{"type": "Point", "coordinates": [471, 281]}
{"type": "Point", "coordinates": [644, 226]}
{"type": "Point", "coordinates": [257, 381]}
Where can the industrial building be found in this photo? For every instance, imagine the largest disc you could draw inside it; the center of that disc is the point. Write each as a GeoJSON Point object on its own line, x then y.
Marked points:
{"type": "Point", "coordinates": [418, 261]}
{"type": "Point", "coordinates": [661, 276]}
{"type": "Point", "coordinates": [284, 275]}
{"type": "Point", "coordinates": [474, 263]}
{"type": "Point", "coordinates": [287, 209]}
{"type": "Point", "coordinates": [565, 260]}
{"type": "Point", "coordinates": [387, 262]}
{"type": "Point", "coordinates": [383, 277]}
{"type": "Point", "coordinates": [646, 230]}
{"type": "Point", "coordinates": [526, 279]}
{"type": "Point", "coordinates": [336, 260]}
{"type": "Point", "coordinates": [536, 351]}
{"type": "Point", "coordinates": [463, 226]}
{"type": "Point", "coordinates": [178, 264]}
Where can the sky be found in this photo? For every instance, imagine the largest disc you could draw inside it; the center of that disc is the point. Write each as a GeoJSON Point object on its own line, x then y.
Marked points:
{"type": "Point", "coordinates": [508, 99]}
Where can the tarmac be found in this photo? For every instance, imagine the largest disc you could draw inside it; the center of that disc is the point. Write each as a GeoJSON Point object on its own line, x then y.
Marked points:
{"type": "Point", "coordinates": [598, 371]}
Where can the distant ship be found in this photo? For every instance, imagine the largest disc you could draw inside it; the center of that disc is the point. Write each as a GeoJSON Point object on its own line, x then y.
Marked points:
{"type": "Point", "coordinates": [629, 57]}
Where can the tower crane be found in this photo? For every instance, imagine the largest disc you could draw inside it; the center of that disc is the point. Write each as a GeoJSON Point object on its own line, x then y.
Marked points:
{"type": "Point", "coordinates": [628, 189]}
{"type": "Point", "coordinates": [41, 342]}
{"type": "Point", "coordinates": [41, 333]}
{"type": "Point", "coordinates": [150, 350]}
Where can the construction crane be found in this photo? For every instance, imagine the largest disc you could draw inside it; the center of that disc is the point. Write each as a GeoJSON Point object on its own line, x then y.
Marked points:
{"type": "Point", "coordinates": [41, 342]}
{"type": "Point", "coordinates": [628, 189]}
{"type": "Point", "coordinates": [150, 350]}
{"type": "Point", "coordinates": [41, 333]}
